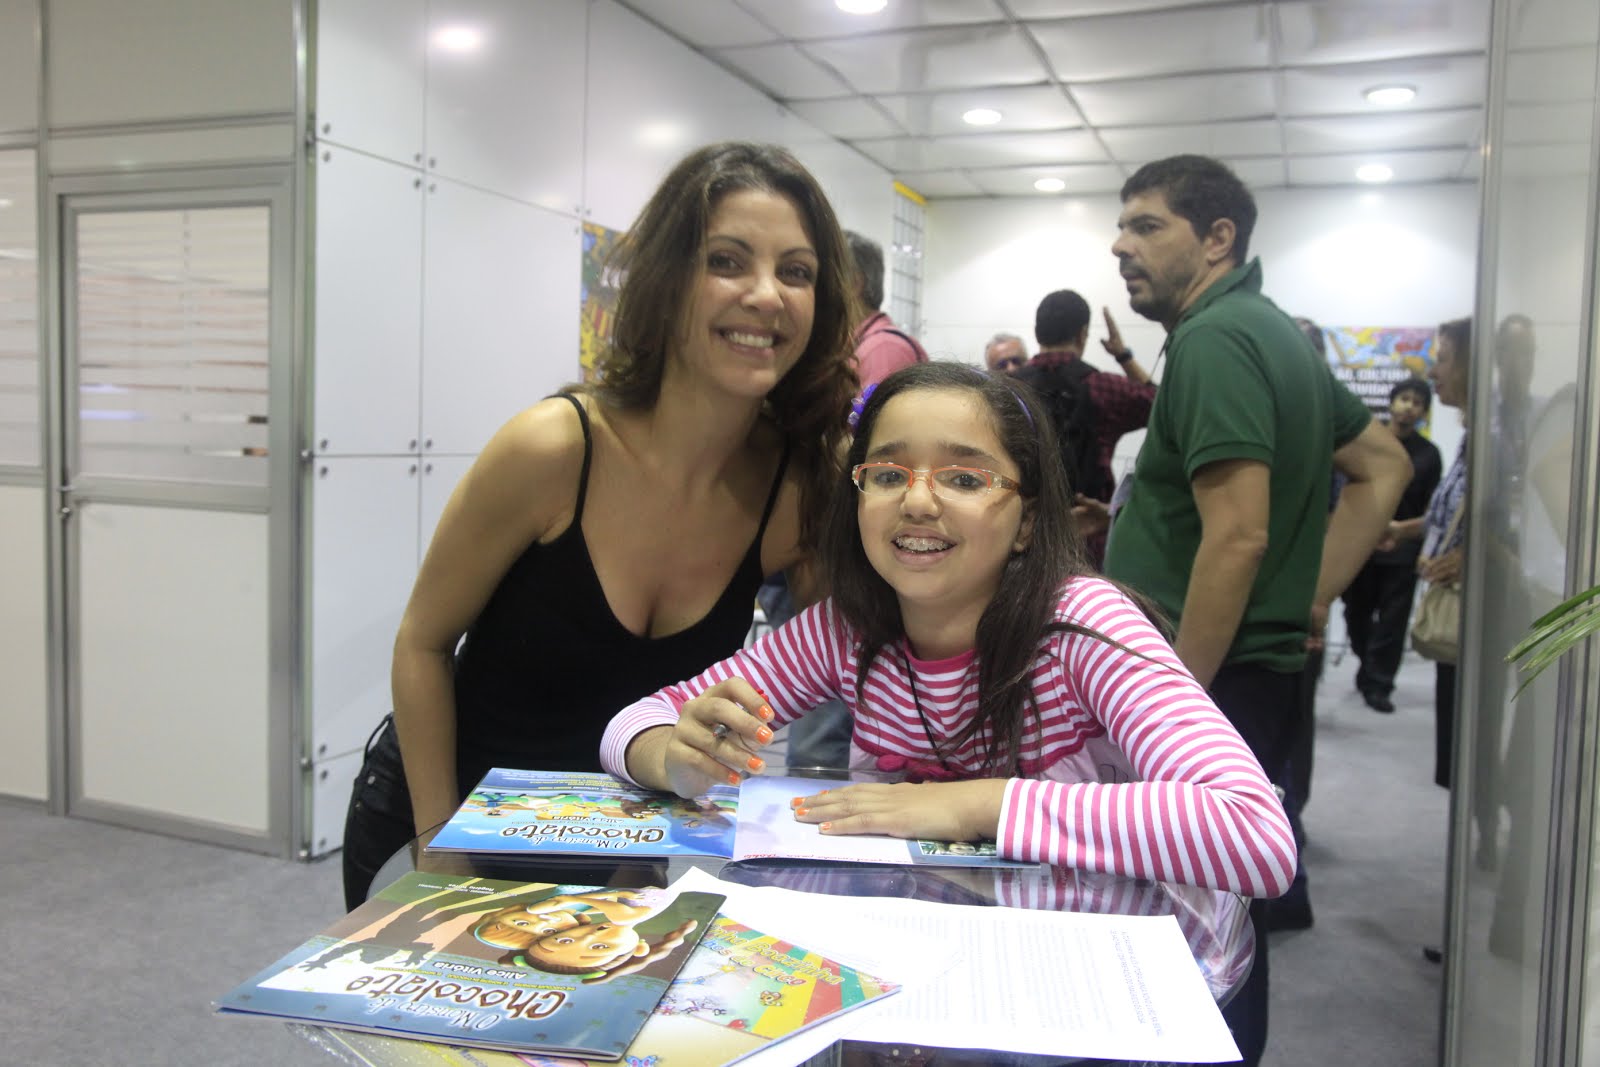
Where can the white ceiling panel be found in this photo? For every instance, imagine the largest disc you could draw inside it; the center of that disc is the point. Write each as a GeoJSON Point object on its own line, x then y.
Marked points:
{"type": "Point", "coordinates": [1355, 31]}
{"type": "Point", "coordinates": [1260, 137]}
{"type": "Point", "coordinates": [783, 70]}
{"type": "Point", "coordinates": [1055, 9]}
{"type": "Point", "coordinates": [1201, 98]}
{"type": "Point", "coordinates": [992, 54]}
{"type": "Point", "coordinates": [1434, 129]}
{"type": "Point", "coordinates": [1545, 161]}
{"type": "Point", "coordinates": [1164, 42]}
{"type": "Point", "coordinates": [1550, 74]}
{"type": "Point", "coordinates": [1441, 81]}
{"type": "Point", "coordinates": [709, 23]}
{"type": "Point", "coordinates": [935, 183]}
{"type": "Point", "coordinates": [986, 150]}
{"type": "Point", "coordinates": [1553, 23]}
{"type": "Point", "coordinates": [1549, 123]}
{"type": "Point", "coordinates": [1034, 107]}
{"type": "Point", "coordinates": [1018, 181]}
{"type": "Point", "coordinates": [1431, 166]}
{"type": "Point", "coordinates": [805, 20]}
{"type": "Point", "coordinates": [1257, 173]}
{"type": "Point", "coordinates": [1089, 90]}
{"type": "Point", "coordinates": [848, 118]}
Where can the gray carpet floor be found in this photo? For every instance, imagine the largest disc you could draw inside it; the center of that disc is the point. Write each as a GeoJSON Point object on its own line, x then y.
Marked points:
{"type": "Point", "coordinates": [116, 941]}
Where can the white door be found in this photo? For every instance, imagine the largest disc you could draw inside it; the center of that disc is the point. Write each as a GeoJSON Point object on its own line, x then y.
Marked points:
{"type": "Point", "coordinates": [175, 337]}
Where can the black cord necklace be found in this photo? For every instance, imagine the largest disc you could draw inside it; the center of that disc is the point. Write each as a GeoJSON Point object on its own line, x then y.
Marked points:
{"type": "Point", "coordinates": [911, 682]}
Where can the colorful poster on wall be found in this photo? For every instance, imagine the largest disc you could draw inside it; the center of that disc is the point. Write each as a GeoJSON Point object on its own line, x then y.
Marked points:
{"type": "Point", "coordinates": [1369, 360]}
{"type": "Point", "coordinates": [598, 299]}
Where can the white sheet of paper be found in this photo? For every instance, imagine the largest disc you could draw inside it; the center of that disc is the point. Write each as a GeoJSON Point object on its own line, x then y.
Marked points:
{"type": "Point", "coordinates": [1053, 983]}
{"type": "Point", "coordinates": [767, 827]}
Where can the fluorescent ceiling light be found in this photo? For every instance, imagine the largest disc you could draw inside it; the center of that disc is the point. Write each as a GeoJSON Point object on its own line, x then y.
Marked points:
{"type": "Point", "coordinates": [861, 7]}
{"type": "Point", "coordinates": [1390, 95]}
{"type": "Point", "coordinates": [1049, 185]}
{"type": "Point", "coordinates": [458, 38]}
{"type": "Point", "coordinates": [981, 116]}
{"type": "Point", "coordinates": [1374, 172]}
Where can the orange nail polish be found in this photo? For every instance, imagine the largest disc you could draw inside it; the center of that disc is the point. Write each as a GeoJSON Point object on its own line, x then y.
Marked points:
{"type": "Point", "coordinates": [826, 827]}
{"type": "Point", "coordinates": [755, 763]}
{"type": "Point", "coordinates": [764, 734]}
{"type": "Point", "coordinates": [764, 713]}
{"type": "Point", "coordinates": [795, 802]}
{"type": "Point", "coordinates": [802, 811]}
{"type": "Point", "coordinates": [733, 779]}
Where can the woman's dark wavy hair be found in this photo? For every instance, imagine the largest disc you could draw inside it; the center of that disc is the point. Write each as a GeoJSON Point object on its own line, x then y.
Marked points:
{"type": "Point", "coordinates": [1021, 616]}
{"type": "Point", "coordinates": [663, 254]}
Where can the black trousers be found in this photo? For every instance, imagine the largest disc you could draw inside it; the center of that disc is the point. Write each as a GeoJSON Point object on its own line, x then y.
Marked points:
{"type": "Point", "coordinates": [1377, 610]}
{"type": "Point", "coordinates": [378, 822]}
{"type": "Point", "coordinates": [1263, 706]}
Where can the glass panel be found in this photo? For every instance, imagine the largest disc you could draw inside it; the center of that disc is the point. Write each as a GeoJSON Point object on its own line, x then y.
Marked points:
{"type": "Point", "coordinates": [172, 335]}
{"type": "Point", "coordinates": [905, 264]}
{"type": "Point", "coordinates": [1529, 346]}
{"type": "Point", "coordinates": [19, 310]}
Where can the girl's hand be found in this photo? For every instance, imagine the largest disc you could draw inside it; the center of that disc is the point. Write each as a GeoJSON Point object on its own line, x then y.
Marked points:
{"type": "Point", "coordinates": [936, 811]}
{"type": "Point", "coordinates": [717, 737]}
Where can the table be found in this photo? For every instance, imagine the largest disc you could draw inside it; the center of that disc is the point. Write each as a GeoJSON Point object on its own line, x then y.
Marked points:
{"type": "Point", "coordinates": [1215, 924]}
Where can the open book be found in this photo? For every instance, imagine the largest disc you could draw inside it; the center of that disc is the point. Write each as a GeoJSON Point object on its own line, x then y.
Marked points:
{"type": "Point", "coordinates": [555, 813]}
{"type": "Point", "coordinates": [516, 966]}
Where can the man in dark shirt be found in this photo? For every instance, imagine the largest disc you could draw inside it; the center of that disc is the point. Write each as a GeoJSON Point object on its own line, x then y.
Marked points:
{"type": "Point", "coordinates": [1377, 605]}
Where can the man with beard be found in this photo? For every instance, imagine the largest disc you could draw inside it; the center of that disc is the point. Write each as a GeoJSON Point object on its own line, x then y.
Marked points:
{"type": "Point", "coordinates": [1377, 606]}
{"type": "Point", "coordinates": [1224, 526]}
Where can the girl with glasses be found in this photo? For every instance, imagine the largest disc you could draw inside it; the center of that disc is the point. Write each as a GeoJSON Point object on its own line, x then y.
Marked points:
{"type": "Point", "coordinates": [611, 539]}
{"type": "Point", "coordinates": [1028, 700]}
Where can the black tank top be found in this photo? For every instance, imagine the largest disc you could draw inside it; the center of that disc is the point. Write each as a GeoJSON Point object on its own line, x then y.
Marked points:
{"type": "Point", "coordinates": [546, 664]}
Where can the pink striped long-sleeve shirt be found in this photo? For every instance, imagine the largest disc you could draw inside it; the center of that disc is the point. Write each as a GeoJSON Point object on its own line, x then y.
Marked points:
{"type": "Point", "coordinates": [1126, 767]}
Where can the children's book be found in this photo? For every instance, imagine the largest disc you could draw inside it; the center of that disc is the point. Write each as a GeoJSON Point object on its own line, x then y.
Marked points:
{"type": "Point", "coordinates": [517, 966]}
{"type": "Point", "coordinates": [558, 813]}
{"type": "Point", "coordinates": [740, 991]}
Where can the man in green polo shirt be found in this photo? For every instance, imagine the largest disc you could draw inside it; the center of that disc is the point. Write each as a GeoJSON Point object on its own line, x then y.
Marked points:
{"type": "Point", "coordinates": [1225, 523]}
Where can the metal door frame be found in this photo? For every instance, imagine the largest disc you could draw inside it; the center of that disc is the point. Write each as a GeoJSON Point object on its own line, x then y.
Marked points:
{"type": "Point", "coordinates": [68, 198]}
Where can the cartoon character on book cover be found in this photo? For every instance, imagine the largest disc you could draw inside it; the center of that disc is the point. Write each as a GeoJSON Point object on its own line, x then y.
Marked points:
{"type": "Point", "coordinates": [740, 990]}
{"type": "Point", "coordinates": [483, 962]}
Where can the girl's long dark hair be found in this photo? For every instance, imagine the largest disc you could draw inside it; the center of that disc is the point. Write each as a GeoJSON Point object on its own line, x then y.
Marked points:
{"type": "Point", "coordinates": [1021, 616]}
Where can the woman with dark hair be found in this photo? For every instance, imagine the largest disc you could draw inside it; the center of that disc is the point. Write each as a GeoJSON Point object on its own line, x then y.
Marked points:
{"type": "Point", "coordinates": [1029, 701]}
{"type": "Point", "coordinates": [610, 539]}
{"type": "Point", "coordinates": [1442, 528]}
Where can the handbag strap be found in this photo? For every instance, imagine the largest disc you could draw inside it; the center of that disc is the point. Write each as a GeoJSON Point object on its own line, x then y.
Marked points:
{"type": "Point", "coordinates": [1455, 524]}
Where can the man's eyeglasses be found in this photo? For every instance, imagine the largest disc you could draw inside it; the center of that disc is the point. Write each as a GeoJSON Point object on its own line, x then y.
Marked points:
{"type": "Point", "coordinates": [947, 483]}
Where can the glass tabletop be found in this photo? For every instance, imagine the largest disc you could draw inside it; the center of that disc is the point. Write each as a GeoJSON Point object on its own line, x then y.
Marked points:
{"type": "Point", "coordinates": [1215, 925]}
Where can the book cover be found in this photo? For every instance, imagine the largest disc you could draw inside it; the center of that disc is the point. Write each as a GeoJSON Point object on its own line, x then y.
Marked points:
{"type": "Point", "coordinates": [740, 991]}
{"type": "Point", "coordinates": [520, 966]}
{"type": "Point", "coordinates": [591, 814]}
{"type": "Point", "coordinates": [586, 814]}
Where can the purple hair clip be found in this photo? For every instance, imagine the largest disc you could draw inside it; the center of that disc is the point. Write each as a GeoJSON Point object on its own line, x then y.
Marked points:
{"type": "Point", "coordinates": [858, 405]}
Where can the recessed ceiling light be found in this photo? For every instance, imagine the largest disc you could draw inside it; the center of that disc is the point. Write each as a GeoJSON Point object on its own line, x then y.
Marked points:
{"type": "Point", "coordinates": [1049, 185]}
{"type": "Point", "coordinates": [981, 116]}
{"type": "Point", "coordinates": [1390, 95]}
{"type": "Point", "coordinates": [861, 7]}
{"type": "Point", "coordinates": [458, 38]}
{"type": "Point", "coordinates": [1374, 172]}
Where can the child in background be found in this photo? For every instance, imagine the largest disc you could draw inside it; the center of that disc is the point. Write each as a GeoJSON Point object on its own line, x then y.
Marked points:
{"type": "Point", "coordinates": [1029, 701]}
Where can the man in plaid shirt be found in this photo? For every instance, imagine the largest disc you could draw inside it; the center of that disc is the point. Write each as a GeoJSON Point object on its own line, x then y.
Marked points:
{"type": "Point", "coordinates": [1120, 402]}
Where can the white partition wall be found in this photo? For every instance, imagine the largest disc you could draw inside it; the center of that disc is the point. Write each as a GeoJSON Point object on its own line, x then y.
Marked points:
{"type": "Point", "coordinates": [24, 692]}
{"type": "Point", "coordinates": [440, 315]}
